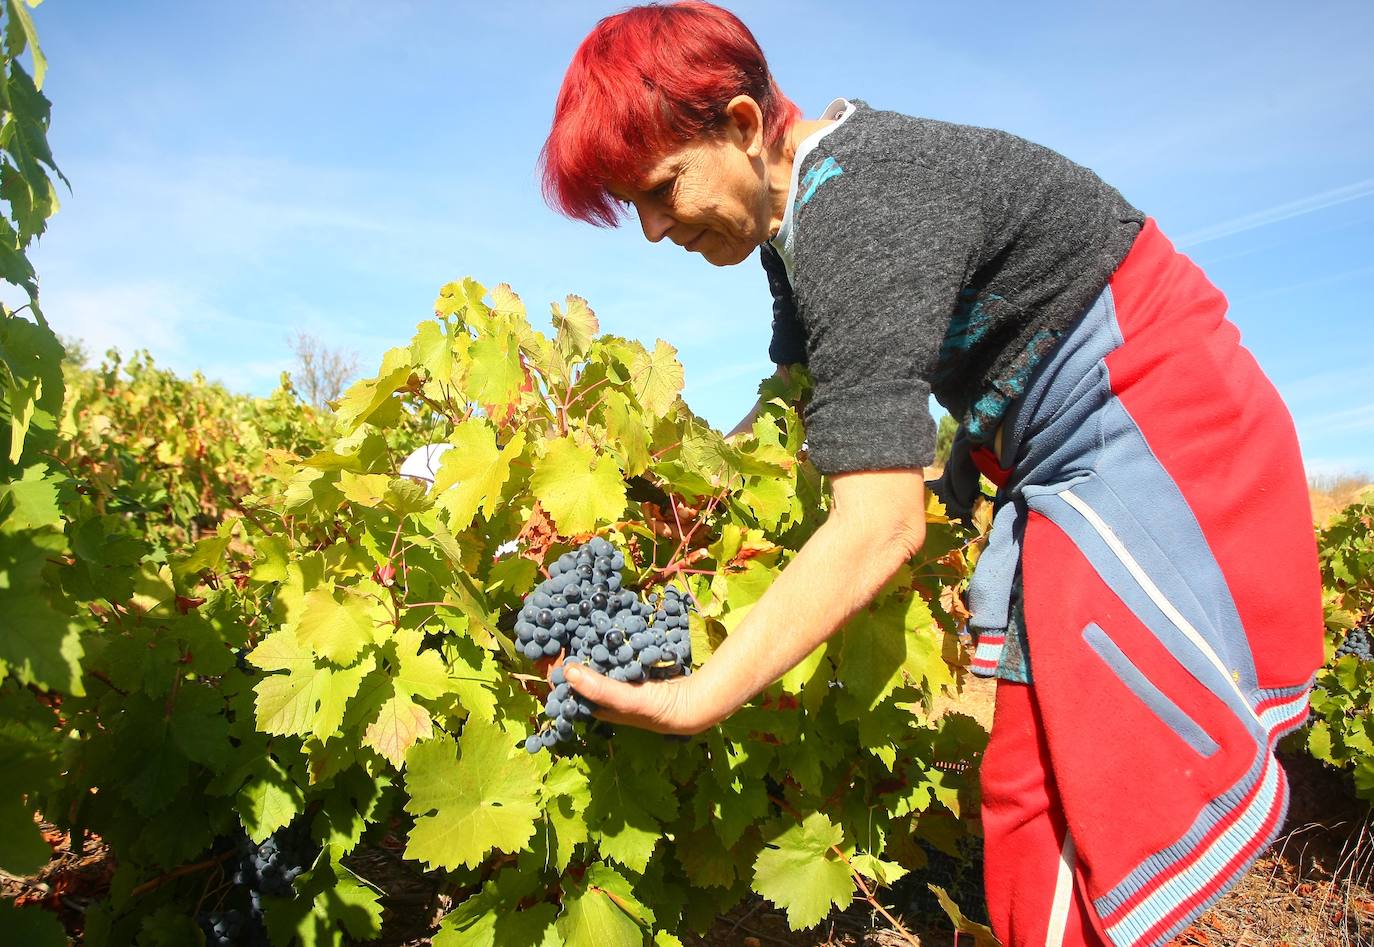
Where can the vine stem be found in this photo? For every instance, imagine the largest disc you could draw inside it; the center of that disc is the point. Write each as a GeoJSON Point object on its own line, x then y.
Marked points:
{"type": "Point", "coordinates": [867, 892]}
{"type": "Point", "coordinates": [659, 453]}
{"type": "Point", "coordinates": [175, 873]}
{"type": "Point", "coordinates": [585, 391]}
{"type": "Point", "coordinates": [249, 516]}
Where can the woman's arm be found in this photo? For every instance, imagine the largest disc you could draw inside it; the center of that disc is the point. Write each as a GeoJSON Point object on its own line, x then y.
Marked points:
{"type": "Point", "coordinates": [747, 425]}
{"type": "Point", "coordinates": [877, 524]}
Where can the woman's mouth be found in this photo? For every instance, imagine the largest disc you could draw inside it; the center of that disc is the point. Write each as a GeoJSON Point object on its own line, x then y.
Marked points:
{"type": "Point", "coordinates": [692, 244]}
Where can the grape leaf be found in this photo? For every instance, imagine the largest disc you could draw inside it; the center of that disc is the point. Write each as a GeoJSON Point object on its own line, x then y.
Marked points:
{"type": "Point", "coordinates": [333, 626]}
{"type": "Point", "coordinates": [497, 925]}
{"type": "Point", "coordinates": [799, 872]}
{"type": "Point", "coordinates": [280, 651]}
{"type": "Point", "coordinates": [286, 703]}
{"type": "Point", "coordinates": [657, 378]}
{"type": "Point", "coordinates": [400, 724]}
{"type": "Point", "coordinates": [626, 432]}
{"type": "Point", "coordinates": [364, 398]}
{"type": "Point", "coordinates": [471, 476]}
{"type": "Point", "coordinates": [485, 799]}
{"type": "Point", "coordinates": [578, 488]}
{"type": "Point", "coordinates": [31, 926]}
{"type": "Point", "coordinates": [627, 803]}
{"type": "Point", "coordinates": [38, 643]}
{"type": "Point", "coordinates": [596, 916]}
{"type": "Point", "coordinates": [341, 688]}
{"type": "Point", "coordinates": [22, 849]}
{"type": "Point", "coordinates": [31, 500]}
{"type": "Point", "coordinates": [333, 898]}
{"type": "Point", "coordinates": [575, 327]}
{"type": "Point", "coordinates": [565, 797]}
{"type": "Point", "coordinates": [419, 673]}
{"type": "Point", "coordinates": [494, 374]}
{"type": "Point", "coordinates": [269, 801]}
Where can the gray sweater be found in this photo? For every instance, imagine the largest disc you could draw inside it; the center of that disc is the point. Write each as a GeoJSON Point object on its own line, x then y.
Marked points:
{"type": "Point", "coordinates": [932, 258]}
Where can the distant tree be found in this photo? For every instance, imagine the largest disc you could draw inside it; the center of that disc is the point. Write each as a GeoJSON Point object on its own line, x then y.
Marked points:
{"type": "Point", "coordinates": [944, 438]}
{"type": "Point", "coordinates": [74, 350]}
{"type": "Point", "coordinates": [321, 372]}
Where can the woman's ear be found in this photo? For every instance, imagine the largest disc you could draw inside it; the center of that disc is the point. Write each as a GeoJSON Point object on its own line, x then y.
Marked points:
{"type": "Point", "coordinates": [744, 124]}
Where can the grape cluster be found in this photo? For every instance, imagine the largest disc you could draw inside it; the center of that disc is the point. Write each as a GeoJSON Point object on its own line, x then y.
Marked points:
{"type": "Point", "coordinates": [1357, 644]}
{"type": "Point", "coordinates": [582, 612]}
{"type": "Point", "coordinates": [270, 869]}
{"type": "Point", "coordinates": [232, 928]}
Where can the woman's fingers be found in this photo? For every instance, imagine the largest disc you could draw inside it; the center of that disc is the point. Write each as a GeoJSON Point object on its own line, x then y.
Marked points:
{"type": "Point", "coordinates": [607, 694]}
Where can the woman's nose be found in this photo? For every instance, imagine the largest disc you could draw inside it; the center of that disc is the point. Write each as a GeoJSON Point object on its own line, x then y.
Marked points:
{"type": "Point", "coordinates": [656, 223]}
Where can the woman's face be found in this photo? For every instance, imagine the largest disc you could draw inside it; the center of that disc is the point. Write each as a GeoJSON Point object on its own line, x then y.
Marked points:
{"type": "Point", "coordinates": [711, 195]}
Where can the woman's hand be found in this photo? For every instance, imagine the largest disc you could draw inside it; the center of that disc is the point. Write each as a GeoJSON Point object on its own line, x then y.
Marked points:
{"type": "Point", "coordinates": [672, 706]}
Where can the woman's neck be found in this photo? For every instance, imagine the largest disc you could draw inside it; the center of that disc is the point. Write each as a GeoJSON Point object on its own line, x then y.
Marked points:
{"type": "Point", "coordinates": [780, 164]}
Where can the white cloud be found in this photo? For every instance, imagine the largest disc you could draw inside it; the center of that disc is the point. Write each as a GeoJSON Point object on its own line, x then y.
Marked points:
{"type": "Point", "coordinates": [150, 315]}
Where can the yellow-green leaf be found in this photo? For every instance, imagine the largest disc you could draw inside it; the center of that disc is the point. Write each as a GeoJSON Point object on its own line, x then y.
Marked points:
{"type": "Point", "coordinates": [800, 872]}
{"type": "Point", "coordinates": [578, 488]}
{"type": "Point", "coordinates": [576, 327]}
{"type": "Point", "coordinates": [466, 805]}
{"type": "Point", "coordinates": [471, 475]}
{"type": "Point", "coordinates": [656, 378]}
{"type": "Point", "coordinates": [400, 724]}
{"type": "Point", "coordinates": [333, 625]}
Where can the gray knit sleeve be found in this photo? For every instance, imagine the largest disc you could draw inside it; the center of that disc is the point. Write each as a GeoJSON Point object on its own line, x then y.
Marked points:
{"type": "Point", "coordinates": [883, 250]}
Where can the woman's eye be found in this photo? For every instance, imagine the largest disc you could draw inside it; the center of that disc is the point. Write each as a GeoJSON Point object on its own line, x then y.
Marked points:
{"type": "Point", "coordinates": [663, 189]}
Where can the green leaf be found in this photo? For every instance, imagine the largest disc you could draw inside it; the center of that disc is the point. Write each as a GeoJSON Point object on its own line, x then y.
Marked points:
{"type": "Point", "coordinates": [883, 872]}
{"type": "Point", "coordinates": [800, 872]}
{"type": "Point", "coordinates": [31, 926]}
{"type": "Point", "coordinates": [471, 475]}
{"type": "Point", "coordinates": [39, 643]}
{"type": "Point", "coordinates": [400, 724]}
{"type": "Point", "coordinates": [873, 651]}
{"type": "Point", "coordinates": [335, 626]}
{"type": "Point", "coordinates": [494, 374]}
{"type": "Point", "coordinates": [578, 489]}
{"type": "Point", "coordinates": [31, 500]}
{"type": "Point", "coordinates": [269, 801]}
{"type": "Point", "coordinates": [656, 378]}
{"type": "Point", "coordinates": [366, 397]}
{"type": "Point", "coordinates": [22, 849]}
{"type": "Point", "coordinates": [627, 802]}
{"type": "Point", "coordinates": [626, 432]}
{"type": "Point", "coordinates": [335, 902]}
{"type": "Point", "coordinates": [419, 673]}
{"type": "Point", "coordinates": [308, 700]}
{"type": "Point", "coordinates": [498, 924]}
{"type": "Point", "coordinates": [1319, 741]}
{"type": "Point", "coordinates": [270, 565]}
{"type": "Point", "coordinates": [566, 795]}
{"type": "Point", "coordinates": [596, 916]}
{"type": "Point", "coordinates": [575, 328]}
{"type": "Point", "coordinates": [22, 395]}
{"type": "Point", "coordinates": [485, 799]}
{"type": "Point", "coordinates": [20, 34]}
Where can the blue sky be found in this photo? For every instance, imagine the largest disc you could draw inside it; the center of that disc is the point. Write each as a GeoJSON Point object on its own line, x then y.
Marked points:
{"type": "Point", "coordinates": [244, 170]}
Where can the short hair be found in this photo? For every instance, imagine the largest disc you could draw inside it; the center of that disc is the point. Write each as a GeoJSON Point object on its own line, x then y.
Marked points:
{"type": "Point", "coordinates": [644, 82]}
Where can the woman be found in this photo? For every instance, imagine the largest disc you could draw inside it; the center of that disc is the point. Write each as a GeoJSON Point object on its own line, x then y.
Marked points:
{"type": "Point", "coordinates": [1149, 597]}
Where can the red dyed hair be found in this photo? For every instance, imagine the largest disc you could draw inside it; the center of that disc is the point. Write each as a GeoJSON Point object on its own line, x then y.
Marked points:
{"type": "Point", "coordinates": [644, 82]}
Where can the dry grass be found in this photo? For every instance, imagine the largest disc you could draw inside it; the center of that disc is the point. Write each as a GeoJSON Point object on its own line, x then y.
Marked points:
{"type": "Point", "coordinates": [1332, 493]}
